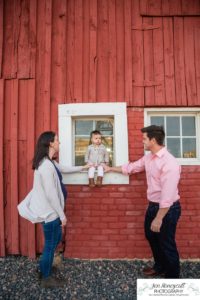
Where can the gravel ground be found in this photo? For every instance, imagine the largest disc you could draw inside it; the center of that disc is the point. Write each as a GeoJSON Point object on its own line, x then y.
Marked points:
{"type": "Point", "coordinates": [95, 280]}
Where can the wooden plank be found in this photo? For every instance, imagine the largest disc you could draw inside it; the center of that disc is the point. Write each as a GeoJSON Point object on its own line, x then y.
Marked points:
{"type": "Point", "coordinates": [22, 190]}
{"type": "Point", "coordinates": [1, 35]}
{"type": "Point", "coordinates": [102, 51]}
{"type": "Point", "coordinates": [191, 7]}
{"type": "Point", "coordinates": [58, 60]}
{"type": "Point", "coordinates": [14, 226]}
{"type": "Point", "coordinates": [78, 51]}
{"type": "Point", "coordinates": [23, 51]}
{"type": "Point", "coordinates": [158, 57]}
{"type": "Point", "coordinates": [150, 7]}
{"type": "Point", "coordinates": [137, 54]}
{"type": "Point", "coordinates": [26, 146]}
{"type": "Point", "coordinates": [32, 36]}
{"type": "Point", "coordinates": [70, 51]}
{"type": "Point", "coordinates": [171, 7]}
{"type": "Point", "coordinates": [93, 51]}
{"type": "Point", "coordinates": [153, 8]}
{"type": "Point", "coordinates": [143, 7]}
{"type": "Point", "coordinates": [181, 97]}
{"type": "Point", "coordinates": [22, 162]}
{"type": "Point", "coordinates": [175, 7]}
{"type": "Point", "coordinates": [197, 60]}
{"type": "Point", "coordinates": [190, 61]}
{"type": "Point", "coordinates": [86, 50]}
{"type": "Point", "coordinates": [40, 66]}
{"type": "Point", "coordinates": [120, 51]}
{"type": "Point", "coordinates": [11, 30]}
{"type": "Point", "coordinates": [43, 66]}
{"type": "Point", "coordinates": [2, 225]}
{"type": "Point", "coordinates": [47, 63]}
{"type": "Point", "coordinates": [6, 161]}
{"type": "Point", "coordinates": [30, 153]}
{"type": "Point", "coordinates": [169, 61]}
{"type": "Point", "coordinates": [128, 51]}
{"type": "Point", "coordinates": [112, 51]}
{"type": "Point", "coordinates": [148, 62]}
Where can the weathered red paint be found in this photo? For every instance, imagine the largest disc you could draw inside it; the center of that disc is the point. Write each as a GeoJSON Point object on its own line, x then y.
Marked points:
{"type": "Point", "coordinates": [144, 52]}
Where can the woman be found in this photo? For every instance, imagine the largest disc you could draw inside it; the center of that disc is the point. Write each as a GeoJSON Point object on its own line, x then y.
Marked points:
{"type": "Point", "coordinates": [47, 201]}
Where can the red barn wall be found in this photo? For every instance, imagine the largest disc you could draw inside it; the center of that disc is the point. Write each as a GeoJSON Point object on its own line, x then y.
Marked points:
{"type": "Point", "coordinates": [146, 53]}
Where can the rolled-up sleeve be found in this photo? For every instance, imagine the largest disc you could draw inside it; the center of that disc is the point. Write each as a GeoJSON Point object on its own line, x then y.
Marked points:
{"type": "Point", "coordinates": [170, 177]}
{"type": "Point", "coordinates": [135, 167]}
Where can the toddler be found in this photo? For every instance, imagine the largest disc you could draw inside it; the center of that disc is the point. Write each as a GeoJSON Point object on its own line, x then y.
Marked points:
{"type": "Point", "coordinates": [96, 156]}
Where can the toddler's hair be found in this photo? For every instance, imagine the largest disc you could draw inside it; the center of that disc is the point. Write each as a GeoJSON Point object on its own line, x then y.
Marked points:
{"type": "Point", "coordinates": [95, 132]}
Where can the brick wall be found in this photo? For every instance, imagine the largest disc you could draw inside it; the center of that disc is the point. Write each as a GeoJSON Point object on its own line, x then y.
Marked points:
{"type": "Point", "coordinates": [108, 222]}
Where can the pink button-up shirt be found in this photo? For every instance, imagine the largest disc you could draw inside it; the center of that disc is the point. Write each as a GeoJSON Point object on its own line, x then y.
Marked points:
{"type": "Point", "coordinates": [162, 173]}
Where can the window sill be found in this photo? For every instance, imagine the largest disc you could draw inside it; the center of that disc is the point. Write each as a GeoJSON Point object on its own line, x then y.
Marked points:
{"type": "Point", "coordinates": [82, 178]}
{"type": "Point", "coordinates": [189, 161]}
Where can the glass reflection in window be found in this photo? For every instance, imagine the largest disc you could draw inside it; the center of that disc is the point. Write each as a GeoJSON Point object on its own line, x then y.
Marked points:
{"type": "Point", "coordinates": [82, 130]}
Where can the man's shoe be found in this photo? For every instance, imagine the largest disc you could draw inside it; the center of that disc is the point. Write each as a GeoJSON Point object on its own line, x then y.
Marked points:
{"type": "Point", "coordinates": [51, 282]}
{"type": "Point", "coordinates": [149, 271]}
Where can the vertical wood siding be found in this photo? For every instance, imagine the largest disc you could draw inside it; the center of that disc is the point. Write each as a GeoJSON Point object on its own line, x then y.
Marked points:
{"type": "Point", "coordinates": [144, 52]}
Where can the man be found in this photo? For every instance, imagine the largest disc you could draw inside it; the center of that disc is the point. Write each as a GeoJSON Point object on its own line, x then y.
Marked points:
{"type": "Point", "coordinates": [164, 210]}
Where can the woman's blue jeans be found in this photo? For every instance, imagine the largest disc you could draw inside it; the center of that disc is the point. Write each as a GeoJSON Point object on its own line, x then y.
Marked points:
{"type": "Point", "coordinates": [52, 236]}
{"type": "Point", "coordinates": [163, 244]}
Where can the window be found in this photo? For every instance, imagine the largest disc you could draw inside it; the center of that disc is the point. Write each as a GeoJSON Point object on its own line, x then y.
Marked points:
{"type": "Point", "coordinates": [82, 128]}
{"type": "Point", "coordinates": [76, 121]}
{"type": "Point", "coordinates": [181, 131]}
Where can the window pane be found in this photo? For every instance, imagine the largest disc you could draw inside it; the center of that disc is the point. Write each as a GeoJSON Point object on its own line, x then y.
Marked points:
{"type": "Point", "coordinates": [83, 127]}
{"type": "Point", "coordinates": [108, 143]}
{"type": "Point", "coordinates": [173, 126]}
{"type": "Point", "coordinates": [81, 145]}
{"type": "Point", "coordinates": [173, 145]}
{"type": "Point", "coordinates": [105, 127]}
{"type": "Point", "coordinates": [188, 126]}
{"type": "Point", "coordinates": [157, 121]}
{"type": "Point", "coordinates": [189, 148]}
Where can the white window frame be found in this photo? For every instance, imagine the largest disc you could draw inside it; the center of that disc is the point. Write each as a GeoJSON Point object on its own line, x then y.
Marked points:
{"type": "Point", "coordinates": [66, 115]}
{"type": "Point", "coordinates": [194, 111]}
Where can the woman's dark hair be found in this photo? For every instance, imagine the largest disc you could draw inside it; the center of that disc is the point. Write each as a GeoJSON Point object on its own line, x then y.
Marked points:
{"type": "Point", "coordinates": [42, 147]}
{"type": "Point", "coordinates": [156, 132]}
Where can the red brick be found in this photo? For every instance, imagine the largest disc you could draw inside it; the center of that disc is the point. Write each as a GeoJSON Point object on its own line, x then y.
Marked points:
{"type": "Point", "coordinates": [99, 237]}
{"type": "Point", "coordinates": [99, 225]}
{"type": "Point", "coordinates": [116, 195]}
{"type": "Point", "coordinates": [108, 243]}
{"type": "Point", "coordinates": [117, 225]}
{"type": "Point", "coordinates": [117, 237]}
{"type": "Point", "coordinates": [113, 231]}
{"type": "Point", "coordinates": [109, 219]}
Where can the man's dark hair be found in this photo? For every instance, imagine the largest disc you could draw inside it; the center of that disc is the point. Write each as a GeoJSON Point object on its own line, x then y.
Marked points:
{"type": "Point", "coordinates": [156, 132]}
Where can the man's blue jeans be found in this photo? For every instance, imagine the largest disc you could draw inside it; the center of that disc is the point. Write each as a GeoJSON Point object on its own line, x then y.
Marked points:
{"type": "Point", "coordinates": [163, 244]}
{"type": "Point", "coordinates": [52, 235]}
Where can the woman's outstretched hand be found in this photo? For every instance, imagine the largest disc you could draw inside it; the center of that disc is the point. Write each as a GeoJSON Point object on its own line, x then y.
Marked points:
{"type": "Point", "coordinates": [86, 167]}
{"type": "Point", "coordinates": [106, 168]}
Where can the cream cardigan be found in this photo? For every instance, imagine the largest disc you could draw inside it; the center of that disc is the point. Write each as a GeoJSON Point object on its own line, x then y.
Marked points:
{"type": "Point", "coordinates": [45, 202]}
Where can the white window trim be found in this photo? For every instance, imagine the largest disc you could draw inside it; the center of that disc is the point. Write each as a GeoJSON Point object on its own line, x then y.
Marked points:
{"type": "Point", "coordinates": [116, 110]}
{"type": "Point", "coordinates": [177, 111]}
